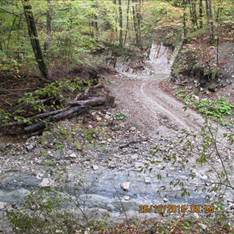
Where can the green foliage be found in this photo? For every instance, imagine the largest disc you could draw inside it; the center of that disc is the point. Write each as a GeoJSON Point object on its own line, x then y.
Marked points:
{"type": "Point", "coordinates": [4, 116]}
{"type": "Point", "coordinates": [120, 116]}
{"type": "Point", "coordinates": [56, 91]}
{"type": "Point", "coordinates": [41, 213]}
{"type": "Point", "coordinates": [215, 108]}
{"type": "Point", "coordinates": [89, 134]}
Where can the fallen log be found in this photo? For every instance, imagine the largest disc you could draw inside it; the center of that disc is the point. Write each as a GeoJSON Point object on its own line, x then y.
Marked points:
{"type": "Point", "coordinates": [70, 112]}
{"type": "Point", "coordinates": [90, 102]}
{"type": "Point", "coordinates": [40, 121]}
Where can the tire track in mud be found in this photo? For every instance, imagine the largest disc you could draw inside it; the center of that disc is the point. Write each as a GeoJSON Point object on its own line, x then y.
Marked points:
{"type": "Point", "coordinates": [171, 107]}
{"type": "Point", "coordinates": [146, 104]}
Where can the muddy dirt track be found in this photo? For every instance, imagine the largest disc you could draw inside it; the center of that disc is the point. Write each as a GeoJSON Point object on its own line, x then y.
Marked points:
{"type": "Point", "coordinates": [148, 106]}
{"type": "Point", "coordinates": [139, 94]}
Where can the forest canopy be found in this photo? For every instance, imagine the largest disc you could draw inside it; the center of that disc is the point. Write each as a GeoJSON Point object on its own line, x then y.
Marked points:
{"type": "Point", "coordinates": [69, 29]}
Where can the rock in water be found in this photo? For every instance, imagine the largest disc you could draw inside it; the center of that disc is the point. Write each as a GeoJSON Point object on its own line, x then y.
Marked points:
{"type": "Point", "coordinates": [125, 186]}
{"type": "Point", "coordinates": [95, 167]}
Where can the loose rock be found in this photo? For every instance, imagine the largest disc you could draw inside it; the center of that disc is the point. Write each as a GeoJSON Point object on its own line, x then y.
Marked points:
{"type": "Point", "coordinates": [125, 186]}
{"type": "Point", "coordinates": [147, 180]}
{"type": "Point", "coordinates": [46, 182]}
{"type": "Point", "coordinates": [95, 167]}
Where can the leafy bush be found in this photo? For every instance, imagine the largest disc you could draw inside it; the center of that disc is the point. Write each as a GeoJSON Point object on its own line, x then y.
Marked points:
{"type": "Point", "coordinates": [41, 213]}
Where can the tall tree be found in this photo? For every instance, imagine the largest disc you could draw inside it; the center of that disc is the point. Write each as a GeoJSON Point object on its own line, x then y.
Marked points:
{"type": "Point", "coordinates": [209, 11]}
{"type": "Point", "coordinates": [127, 24]}
{"type": "Point", "coordinates": [120, 24]}
{"type": "Point", "coordinates": [139, 19]}
{"type": "Point", "coordinates": [185, 20]}
{"type": "Point", "coordinates": [193, 13]}
{"type": "Point", "coordinates": [200, 14]}
{"type": "Point", "coordinates": [32, 31]}
{"type": "Point", "coordinates": [48, 25]}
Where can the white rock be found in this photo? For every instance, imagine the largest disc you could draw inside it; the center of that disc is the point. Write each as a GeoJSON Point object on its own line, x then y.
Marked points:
{"type": "Point", "coordinates": [46, 182]}
{"type": "Point", "coordinates": [58, 231]}
{"type": "Point", "coordinates": [98, 118]}
{"type": "Point", "coordinates": [134, 156]}
{"type": "Point", "coordinates": [165, 199]}
{"type": "Point", "coordinates": [49, 153]}
{"type": "Point", "coordinates": [87, 231]}
{"type": "Point", "coordinates": [139, 165]}
{"type": "Point", "coordinates": [95, 167]}
{"type": "Point", "coordinates": [39, 175]}
{"type": "Point", "coordinates": [111, 166]}
{"type": "Point", "coordinates": [126, 198]}
{"type": "Point", "coordinates": [196, 215]}
{"type": "Point", "coordinates": [125, 186]}
{"type": "Point", "coordinates": [30, 147]}
{"type": "Point", "coordinates": [196, 97]}
{"type": "Point", "coordinates": [72, 155]}
{"type": "Point", "coordinates": [2, 205]}
{"type": "Point", "coordinates": [147, 180]}
{"type": "Point", "coordinates": [108, 117]}
{"type": "Point", "coordinates": [203, 226]}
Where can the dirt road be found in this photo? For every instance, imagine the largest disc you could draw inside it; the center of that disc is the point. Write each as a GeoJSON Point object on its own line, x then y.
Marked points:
{"type": "Point", "coordinates": [149, 107]}
{"type": "Point", "coordinates": [139, 95]}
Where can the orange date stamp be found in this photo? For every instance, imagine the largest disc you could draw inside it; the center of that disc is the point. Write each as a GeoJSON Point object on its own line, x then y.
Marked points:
{"type": "Point", "coordinates": [177, 209]}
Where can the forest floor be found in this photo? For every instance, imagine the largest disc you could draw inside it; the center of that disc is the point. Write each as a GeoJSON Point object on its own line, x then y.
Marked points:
{"type": "Point", "coordinates": [110, 161]}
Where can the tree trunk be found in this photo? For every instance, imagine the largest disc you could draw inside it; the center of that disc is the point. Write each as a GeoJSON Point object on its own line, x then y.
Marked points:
{"type": "Point", "coordinates": [193, 13]}
{"type": "Point", "coordinates": [120, 24]}
{"type": "Point", "coordinates": [48, 26]}
{"type": "Point", "coordinates": [127, 25]}
{"type": "Point", "coordinates": [32, 31]}
{"type": "Point", "coordinates": [185, 20]}
{"type": "Point", "coordinates": [210, 19]}
{"type": "Point", "coordinates": [135, 24]}
{"type": "Point", "coordinates": [139, 23]}
{"type": "Point", "coordinates": [200, 14]}
{"type": "Point", "coordinates": [116, 17]}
